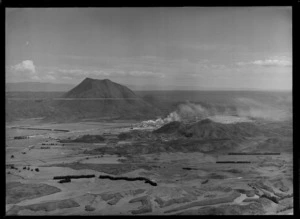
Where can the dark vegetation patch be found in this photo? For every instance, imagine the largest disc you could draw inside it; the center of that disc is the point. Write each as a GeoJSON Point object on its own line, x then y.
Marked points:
{"type": "Point", "coordinates": [267, 153]}
{"type": "Point", "coordinates": [67, 180]}
{"type": "Point", "coordinates": [189, 168]}
{"type": "Point", "coordinates": [21, 137]}
{"type": "Point", "coordinates": [216, 176]}
{"type": "Point", "coordinates": [89, 208]}
{"type": "Point", "coordinates": [233, 162]}
{"type": "Point", "coordinates": [12, 167]}
{"type": "Point", "coordinates": [236, 171]}
{"type": "Point", "coordinates": [74, 176]}
{"type": "Point", "coordinates": [124, 136]}
{"type": "Point", "coordinates": [205, 181]}
{"type": "Point", "coordinates": [270, 197]}
{"type": "Point", "coordinates": [146, 180]}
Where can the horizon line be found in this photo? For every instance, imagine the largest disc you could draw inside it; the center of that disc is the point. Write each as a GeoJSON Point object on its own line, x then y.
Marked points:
{"type": "Point", "coordinates": [158, 89]}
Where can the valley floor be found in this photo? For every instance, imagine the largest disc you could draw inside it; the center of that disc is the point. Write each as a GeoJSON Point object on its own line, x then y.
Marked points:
{"type": "Point", "coordinates": [187, 183]}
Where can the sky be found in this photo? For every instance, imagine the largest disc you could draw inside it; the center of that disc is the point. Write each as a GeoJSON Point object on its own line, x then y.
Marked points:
{"type": "Point", "coordinates": [190, 48]}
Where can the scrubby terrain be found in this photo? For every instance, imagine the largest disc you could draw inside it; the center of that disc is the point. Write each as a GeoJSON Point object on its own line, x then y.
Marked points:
{"type": "Point", "coordinates": [195, 159]}
{"type": "Point", "coordinates": [85, 139]}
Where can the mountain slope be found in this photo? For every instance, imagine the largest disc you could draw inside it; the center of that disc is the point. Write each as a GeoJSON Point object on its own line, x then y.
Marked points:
{"type": "Point", "coordinates": [208, 129]}
{"type": "Point", "coordinates": [94, 98]}
{"type": "Point", "coordinates": [94, 88]}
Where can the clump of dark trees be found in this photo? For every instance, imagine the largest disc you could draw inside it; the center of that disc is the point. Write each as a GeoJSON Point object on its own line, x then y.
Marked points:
{"type": "Point", "coordinates": [129, 179]}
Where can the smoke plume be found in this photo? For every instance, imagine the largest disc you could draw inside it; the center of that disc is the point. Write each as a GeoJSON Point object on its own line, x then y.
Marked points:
{"type": "Point", "coordinates": [242, 107]}
{"type": "Point", "coordinates": [187, 111]}
{"type": "Point", "coordinates": [255, 109]}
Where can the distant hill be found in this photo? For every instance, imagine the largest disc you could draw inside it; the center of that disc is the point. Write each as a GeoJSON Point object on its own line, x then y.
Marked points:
{"type": "Point", "coordinates": [37, 87]}
{"type": "Point", "coordinates": [91, 99]}
{"type": "Point", "coordinates": [115, 101]}
{"type": "Point", "coordinates": [95, 88]}
{"type": "Point", "coordinates": [208, 129]}
{"type": "Point", "coordinates": [169, 128]}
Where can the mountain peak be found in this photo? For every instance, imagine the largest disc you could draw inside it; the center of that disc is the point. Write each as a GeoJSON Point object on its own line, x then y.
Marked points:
{"type": "Point", "coordinates": [93, 79]}
{"type": "Point", "coordinates": [96, 88]}
{"type": "Point", "coordinates": [88, 79]}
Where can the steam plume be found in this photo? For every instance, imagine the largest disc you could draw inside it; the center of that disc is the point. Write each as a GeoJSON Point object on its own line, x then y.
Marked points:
{"type": "Point", "coordinates": [242, 107]}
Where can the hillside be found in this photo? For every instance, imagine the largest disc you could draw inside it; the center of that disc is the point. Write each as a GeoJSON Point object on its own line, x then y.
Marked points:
{"type": "Point", "coordinates": [94, 88]}
{"type": "Point", "coordinates": [94, 98]}
{"type": "Point", "coordinates": [169, 128]}
{"type": "Point", "coordinates": [208, 129]}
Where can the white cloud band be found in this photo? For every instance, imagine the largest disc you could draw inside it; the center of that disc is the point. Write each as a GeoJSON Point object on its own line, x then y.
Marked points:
{"type": "Point", "coordinates": [26, 65]}
{"type": "Point", "coordinates": [268, 62]}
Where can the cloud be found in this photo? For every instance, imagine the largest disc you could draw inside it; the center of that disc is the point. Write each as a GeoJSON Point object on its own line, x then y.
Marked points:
{"type": "Point", "coordinates": [108, 72]}
{"type": "Point", "coordinates": [26, 65]}
{"type": "Point", "coordinates": [99, 72]}
{"type": "Point", "coordinates": [72, 71]}
{"type": "Point", "coordinates": [217, 66]}
{"type": "Point", "coordinates": [146, 74]}
{"type": "Point", "coordinates": [272, 62]}
{"type": "Point", "coordinates": [281, 62]}
{"type": "Point", "coordinates": [67, 78]}
{"type": "Point", "coordinates": [65, 73]}
{"type": "Point", "coordinates": [49, 78]}
{"type": "Point", "coordinates": [241, 63]}
{"type": "Point", "coordinates": [23, 71]}
{"type": "Point", "coordinates": [35, 78]}
{"type": "Point", "coordinates": [217, 47]}
{"type": "Point", "coordinates": [26, 71]}
{"type": "Point", "coordinates": [141, 66]}
{"type": "Point", "coordinates": [147, 65]}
